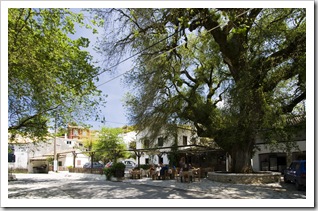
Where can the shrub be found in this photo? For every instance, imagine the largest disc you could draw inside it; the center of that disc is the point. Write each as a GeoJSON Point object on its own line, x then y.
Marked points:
{"type": "Point", "coordinates": [108, 173]}
{"type": "Point", "coordinates": [116, 170]}
{"type": "Point", "coordinates": [119, 166]}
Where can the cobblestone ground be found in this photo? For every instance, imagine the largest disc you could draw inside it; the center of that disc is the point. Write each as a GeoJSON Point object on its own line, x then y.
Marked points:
{"type": "Point", "coordinates": [81, 186]}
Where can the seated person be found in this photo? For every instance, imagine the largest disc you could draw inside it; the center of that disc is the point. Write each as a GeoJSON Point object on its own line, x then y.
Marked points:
{"type": "Point", "coordinates": [185, 167]}
{"type": "Point", "coordinates": [190, 166]}
{"type": "Point", "coordinates": [158, 168]}
{"type": "Point", "coordinates": [152, 170]}
{"type": "Point", "coordinates": [163, 169]}
{"type": "Point", "coordinates": [152, 167]}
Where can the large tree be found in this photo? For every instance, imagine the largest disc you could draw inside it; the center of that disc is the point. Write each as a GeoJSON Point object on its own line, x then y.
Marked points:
{"type": "Point", "coordinates": [235, 74]}
{"type": "Point", "coordinates": [50, 75]}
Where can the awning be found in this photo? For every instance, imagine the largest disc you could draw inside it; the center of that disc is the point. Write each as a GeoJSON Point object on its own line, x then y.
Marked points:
{"type": "Point", "coordinates": [38, 159]}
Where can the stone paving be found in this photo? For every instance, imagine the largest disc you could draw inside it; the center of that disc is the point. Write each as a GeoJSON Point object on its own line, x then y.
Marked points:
{"type": "Point", "coordinates": [204, 188]}
{"type": "Point", "coordinates": [228, 190]}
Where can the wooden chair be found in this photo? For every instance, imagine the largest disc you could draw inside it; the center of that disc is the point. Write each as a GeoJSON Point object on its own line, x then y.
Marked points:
{"type": "Point", "coordinates": [164, 176]}
{"type": "Point", "coordinates": [185, 176]}
{"type": "Point", "coordinates": [153, 174]}
{"type": "Point", "coordinates": [136, 174]}
{"type": "Point", "coordinates": [177, 174]}
{"type": "Point", "coordinates": [196, 173]}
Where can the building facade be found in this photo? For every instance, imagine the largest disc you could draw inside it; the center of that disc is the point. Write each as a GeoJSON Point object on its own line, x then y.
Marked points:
{"type": "Point", "coordinates": [278, 157]}
{"type": "Point", "coordinates": [36, 157]}
{"type": "Point", "coordinates": [156, 150]}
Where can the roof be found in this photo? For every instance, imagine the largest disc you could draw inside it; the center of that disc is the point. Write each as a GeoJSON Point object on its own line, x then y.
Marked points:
{"type": "Point", "coordinates": [295, 120]}
{"type": "Point", "coordinates": [61, 152]}
{"type": "Point", "coordinates": [77, 127]}
{"type": "Point", "coordinates": [18, 139]}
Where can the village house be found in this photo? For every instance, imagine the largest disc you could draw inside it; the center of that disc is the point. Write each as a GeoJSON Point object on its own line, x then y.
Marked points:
{"type": "Point", "coordinates": [37, 157]}
{"type": "Point", "coordinates": [168, 148]}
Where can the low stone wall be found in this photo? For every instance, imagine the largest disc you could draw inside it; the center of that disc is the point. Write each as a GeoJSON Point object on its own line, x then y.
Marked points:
{"type": "Point", "coordinates": [253, 178]}
{"type": "Point", "coordinates": [86, 170]}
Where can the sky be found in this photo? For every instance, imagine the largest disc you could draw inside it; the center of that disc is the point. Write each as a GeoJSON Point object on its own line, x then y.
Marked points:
{"type": "Point", "coordinates": [115, 90]}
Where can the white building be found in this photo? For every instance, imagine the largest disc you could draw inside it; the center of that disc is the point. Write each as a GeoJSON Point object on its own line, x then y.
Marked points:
{"type": "Point", "coordinates": [279, 157]}
{"type": "Point", "coordinates": [35, 156]}
{"type": "Point", "coordinates": [129, 137]}
{"type": "Point", "coordinates": [184, 137]}
{"type": "Point", "coordinates": [266, 157]}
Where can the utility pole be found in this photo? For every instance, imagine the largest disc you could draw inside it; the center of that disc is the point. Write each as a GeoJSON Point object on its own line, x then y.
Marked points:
{"type": "Point", "coordinates": [55, 155]}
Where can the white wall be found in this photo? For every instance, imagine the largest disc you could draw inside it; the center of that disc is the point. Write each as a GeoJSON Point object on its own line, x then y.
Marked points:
{"type": "Point", "coordinates": [169, 141]}
{"type": "Point", "coordinates": [68, 160]}
{"type": "Point", "coordinates": [129, 137]}
{"type": "Point", "coordinates": [23, 153]}
{"type": "Point", "coordinates": [266, 149]}
{"type": "Point", "coordinates": [21, 157]}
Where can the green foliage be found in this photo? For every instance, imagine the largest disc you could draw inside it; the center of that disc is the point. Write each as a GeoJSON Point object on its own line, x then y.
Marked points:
{"type": "Point", "coordinates": [118, 166]}
{"type": "Point", "coordinates": [61, 132]}
{"type": "Point", "coordinates": [50, 160]}
{"type": "Point", "coordinates": [108, 173]}
{"type": "Point", "coordinates": [111, 171]}
{"type": "Point", "coordinates": [132, 145]}
{"type": "Point", "coordinates": [110, 144]}
{"type": "Point", "coordinates": [50, 75]}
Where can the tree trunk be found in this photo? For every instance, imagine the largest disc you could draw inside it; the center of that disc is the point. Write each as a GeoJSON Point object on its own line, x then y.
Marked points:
{"type": "Point", "coordinates": [139, 155]}
{"type": "Point", "coordinates": [241, 159]}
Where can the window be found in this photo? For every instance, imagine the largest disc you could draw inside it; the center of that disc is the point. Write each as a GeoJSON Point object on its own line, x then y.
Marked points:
{"type": "Point", "coordinates": [160, 142]}
{"type": "Point", "coordinates": [147, 161]}
{"type": "Point", "coordinates": [185, 140]}
{"type": "Point", "coordinates": [68, 142]}
{"type": "Point", "coordinates": [75, 132]}
{"type": "Point", "coordinates": [146, 143]}
{"type": "Point", "coordinates": [60, 163]}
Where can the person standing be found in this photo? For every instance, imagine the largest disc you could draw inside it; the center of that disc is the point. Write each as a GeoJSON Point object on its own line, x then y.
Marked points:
{"type": "Point", "coordinates": [183, 167]}
{"type": "Point", "coordinates": [182, 163]}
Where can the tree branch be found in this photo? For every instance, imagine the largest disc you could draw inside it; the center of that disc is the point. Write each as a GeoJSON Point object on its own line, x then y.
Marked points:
{"type": "Point", "coordinates": [289, 108]}
{"type": "Point", "coordinates": [25, 121]}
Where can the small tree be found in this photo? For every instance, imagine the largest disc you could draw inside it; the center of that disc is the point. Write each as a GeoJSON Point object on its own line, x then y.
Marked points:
{"type": "Point", "coordinates": [110, 144]}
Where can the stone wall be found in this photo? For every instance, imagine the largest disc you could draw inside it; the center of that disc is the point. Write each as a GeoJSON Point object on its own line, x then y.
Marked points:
{"type": "Point", "coordinates": [253, 178]}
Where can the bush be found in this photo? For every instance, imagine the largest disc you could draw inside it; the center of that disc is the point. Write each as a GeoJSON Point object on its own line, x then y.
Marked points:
{"type": "Point", "coordinates": [108, 173]}
{"type": "Point", "coordinates": [119, 166]}
{"type": "Point", "coordinates": [116, 170]}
